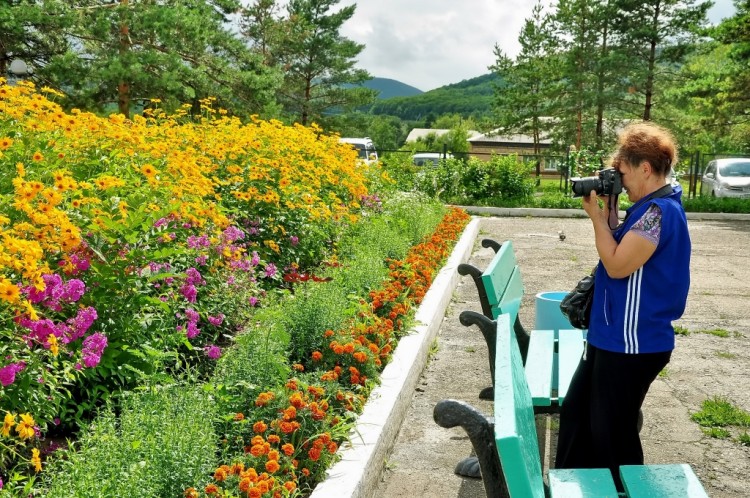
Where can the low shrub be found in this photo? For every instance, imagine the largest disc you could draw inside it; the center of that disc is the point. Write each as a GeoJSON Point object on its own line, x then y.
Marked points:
{"type": "Point", "coordinates": [158, 441]}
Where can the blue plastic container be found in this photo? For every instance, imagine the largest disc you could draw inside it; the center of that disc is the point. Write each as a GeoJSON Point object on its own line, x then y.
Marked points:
{"type": "Point", "coordinates": [548, 314]}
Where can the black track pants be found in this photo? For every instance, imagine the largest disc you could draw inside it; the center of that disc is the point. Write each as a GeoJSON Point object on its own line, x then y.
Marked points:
{"type": "Point", "coordinates": [599, 417]}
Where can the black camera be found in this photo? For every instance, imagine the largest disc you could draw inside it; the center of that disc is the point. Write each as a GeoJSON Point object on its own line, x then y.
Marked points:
{"type": "Point", "coordinates": [608, 182]}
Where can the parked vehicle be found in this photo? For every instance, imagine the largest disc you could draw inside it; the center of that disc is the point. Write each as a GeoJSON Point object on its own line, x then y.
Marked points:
{"type": "Point", "coordinates": [365, 148]}
{"type": "Point", "coordinates": [429, 158]}
{"type": "Point", "coordinates": [728, 177]}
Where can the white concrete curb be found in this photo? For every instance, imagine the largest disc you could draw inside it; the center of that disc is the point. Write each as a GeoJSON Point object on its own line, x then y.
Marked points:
{"type": "Point", "coordinates": [362, 461]}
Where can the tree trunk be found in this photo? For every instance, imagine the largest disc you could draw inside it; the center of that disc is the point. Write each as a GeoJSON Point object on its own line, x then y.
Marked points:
{"type": "Point", "coordinates": [123, 88]}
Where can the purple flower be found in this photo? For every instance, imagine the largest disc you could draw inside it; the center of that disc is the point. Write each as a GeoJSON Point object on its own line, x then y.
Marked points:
{"type": "Point", "coordinates": [213, 352]}
{"type": "Point", "coordinates": [253, 301]}
{"type": "Point", "coordinates": [270, 270]}
{"type": "Point", "coordinates": [93, 347]}
{"type": "Point", "coordinates": [192, 315]}
{"type": "Point", "coordinates": [193, 277]}
{"type": "Point", "coordinates": [294, 240]}
{"type": "Point", "coordinates": [189, 292]}
{"type": "Point", "coordinates": [195, 242]}
{"type": "Point", "coordinates": [233, 233]}
{"type": "Point", "coordinates": [216, 320]}
{"type": "Point", "coordinates": [201, 260]}
{"type": "Point", "coordinates": [192, 330]}
{"type": "Point", "coordinates": [74, 289]}
{"type": "Point", "coordinates": [8, 373]}
{"type": "Point", "coordinates": [255, 260]}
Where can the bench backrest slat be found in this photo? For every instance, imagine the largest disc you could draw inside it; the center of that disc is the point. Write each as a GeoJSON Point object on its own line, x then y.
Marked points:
{"type": "Point", "coordinates": [495, 277]}
{"type": "Point", "coordinates": [540, 366]}
{"type": "Point", "coordinates": [515, 427]}
{"type": "Point", "coordinates": [570, 347]}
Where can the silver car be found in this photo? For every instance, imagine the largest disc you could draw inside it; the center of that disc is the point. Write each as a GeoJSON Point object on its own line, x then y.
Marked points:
{"type": "Point", "coordinates": [727, 178]}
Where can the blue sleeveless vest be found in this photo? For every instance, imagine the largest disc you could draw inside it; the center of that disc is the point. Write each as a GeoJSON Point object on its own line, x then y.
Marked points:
{"type": "Point", "coordinates": [634, 314]}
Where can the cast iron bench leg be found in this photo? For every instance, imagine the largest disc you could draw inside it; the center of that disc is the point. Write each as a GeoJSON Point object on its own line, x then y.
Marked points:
{"type": "Point", "coordinates": [451, 413]}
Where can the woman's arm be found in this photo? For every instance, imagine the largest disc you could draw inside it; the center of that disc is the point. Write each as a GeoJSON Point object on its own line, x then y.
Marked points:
{"type": "Point", "coordinates": [619, 260]}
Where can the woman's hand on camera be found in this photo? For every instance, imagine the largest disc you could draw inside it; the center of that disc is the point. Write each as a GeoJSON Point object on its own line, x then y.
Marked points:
{"type": "Point", "coordinates": [592, 207]}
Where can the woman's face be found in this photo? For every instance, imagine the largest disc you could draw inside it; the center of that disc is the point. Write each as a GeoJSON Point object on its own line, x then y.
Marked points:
{"type": "Point", "coordinates": [632, 180]}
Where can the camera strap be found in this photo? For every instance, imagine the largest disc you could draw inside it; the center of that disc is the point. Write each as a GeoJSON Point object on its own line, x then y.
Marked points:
{"type": "Point", "coordinates": [664, 191]}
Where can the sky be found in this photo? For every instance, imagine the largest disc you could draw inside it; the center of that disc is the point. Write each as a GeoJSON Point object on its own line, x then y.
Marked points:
{"type": "Point", "coordinates": [431, 43]}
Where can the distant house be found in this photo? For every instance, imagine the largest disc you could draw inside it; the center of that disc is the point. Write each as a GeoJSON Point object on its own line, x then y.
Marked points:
{"type": "Point", "coordinates": [421, 133]}
{"type": "Point", "coordinates": [485, 145]}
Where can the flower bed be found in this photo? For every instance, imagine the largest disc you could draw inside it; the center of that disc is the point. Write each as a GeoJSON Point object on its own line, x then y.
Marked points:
{"type": "Point", "coordinates": [138, 259]}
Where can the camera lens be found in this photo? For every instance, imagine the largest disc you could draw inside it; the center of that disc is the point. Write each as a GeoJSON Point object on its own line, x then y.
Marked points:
{"type": "Point", "coordinates": [583, 186]}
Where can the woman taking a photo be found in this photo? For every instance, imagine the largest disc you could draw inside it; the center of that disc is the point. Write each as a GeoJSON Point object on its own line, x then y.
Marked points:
{"type": "Point", "coordinates": [641, 286]}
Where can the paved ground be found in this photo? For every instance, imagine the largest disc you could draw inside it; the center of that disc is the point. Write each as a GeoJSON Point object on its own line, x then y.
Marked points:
{"type": "Point", "coordinates": [703, 365]}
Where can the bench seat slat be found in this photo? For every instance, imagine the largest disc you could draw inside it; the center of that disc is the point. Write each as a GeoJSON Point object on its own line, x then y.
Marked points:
{"type": "Point", "coordinates": [581, 483]}
{"type": "Point", "coordinates": [664, 481]}
{"type": "Point", "coordinates": [570, 347]}
{"type": "Point", "coordinates": [539, 366]}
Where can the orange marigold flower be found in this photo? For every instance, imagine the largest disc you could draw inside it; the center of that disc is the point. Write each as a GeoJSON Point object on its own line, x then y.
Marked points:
{"type": "Point", "coordinates": [273, 455]}
{"type": "Point", "coordinates": [360, 356]}
{"type": "Point", "coordinates": [349, 348]}
{"type": "Point", "coordinates": [332, 447]}
{"type": "Point", "coordinates": [286, 427]}
{"type": "Point", "coordinates": [274, 439]}
{"type": "Point", "coordinates": [306, 472]}
{"type": "Point", "coordinates": [296, 400]}
{"type": "Point", "coordinates": [264, 398]}
{"type": "Point", "coordinates": [290, 413]}
{"type": "Point", "coordinates": [254, 493]}
{"type": "Point", "coordinates": [257, 440]}
{"type": "Point", "coordinates": [258, 450]}
{"type": "Point", "coordinates": [328, 333]}
{"type": "Point", "coordinates": [211, 489]}
{"type": "Point", "coordinates": [317, 356]}
{"type": "Point", "coordinates": [314, 454]}
{"type": "Point", "coordinates": [298, 367]}
{"type": "Point", "coordinates": [288, 449]}
{"type": "Point", "coordinates": [291, 385]}
{"type": "Point", "coordinates": [272, 466]}
{"type": "Point", "coordinates": [239, 416]}
{"type": "Point", "coordinates": [191, 493]}
{"type": "Point", "coordinates": [259, 427]}
{"type": "Point", "coordinates": [290, 486]}
{"type": "Point", "coordinates": [245, 484]}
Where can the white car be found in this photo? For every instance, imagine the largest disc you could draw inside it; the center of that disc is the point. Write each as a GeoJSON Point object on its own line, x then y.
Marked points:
{"type": "Point", "coordinates": [365, 148]}
{"type": "Point", "coordinates": [727, 178]}
{"type": "Point", "coordinates": [429, 158]}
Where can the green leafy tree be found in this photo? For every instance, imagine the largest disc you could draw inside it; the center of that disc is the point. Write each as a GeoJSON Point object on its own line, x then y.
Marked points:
{"type": "Point", "coordinates": [655, 36]}
{"type": "Point", "coordinates": [128, 52]}
{"type": "Point", "coordinates": [32, 31]}
{"type": "Point", "coordinates": [523, 99]}
{"type": "Point", "coordinates": [318, 63]}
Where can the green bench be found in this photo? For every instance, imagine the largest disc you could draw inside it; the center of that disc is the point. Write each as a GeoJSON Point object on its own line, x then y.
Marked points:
{"type": "Point", "coordinates": [518, 450]}
{"type": "Point", "coordinates": [500, 290]}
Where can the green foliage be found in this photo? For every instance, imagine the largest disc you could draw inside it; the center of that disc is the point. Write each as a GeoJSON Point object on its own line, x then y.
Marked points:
{"type": "Point", "coordinates": [720, 412]}
{"type": "Point", "coordinates": [161, 442]}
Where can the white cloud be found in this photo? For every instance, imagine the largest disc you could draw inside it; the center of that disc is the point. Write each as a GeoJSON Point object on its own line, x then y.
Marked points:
{"type": "Point", "coordinates": [431, 43]}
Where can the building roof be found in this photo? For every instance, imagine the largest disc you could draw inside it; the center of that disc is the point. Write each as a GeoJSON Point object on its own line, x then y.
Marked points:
{"type": "Point", "coordinates": [516, 139]}
{"type": "Point", "coordinates": [417, 133]}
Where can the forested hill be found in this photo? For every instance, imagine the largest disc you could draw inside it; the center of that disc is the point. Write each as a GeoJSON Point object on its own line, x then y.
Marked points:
{"type": "Point", "coordinates": [388, 88]}
{"type": "Point", "coordinates": [472, 97]}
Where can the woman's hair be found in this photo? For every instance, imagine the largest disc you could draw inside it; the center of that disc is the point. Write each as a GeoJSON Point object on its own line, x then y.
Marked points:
{"type": "Point", "coordinates": [647, 141]}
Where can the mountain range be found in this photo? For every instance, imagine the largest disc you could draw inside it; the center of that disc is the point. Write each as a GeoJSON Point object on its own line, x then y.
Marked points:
{"type": "Point", "coordinates": [472, 97]}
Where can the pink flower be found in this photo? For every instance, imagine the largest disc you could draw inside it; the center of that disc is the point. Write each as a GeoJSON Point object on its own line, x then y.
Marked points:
{"type": "Point", "coordinates": [93, 347]}
{"type": "Point", "coordinates": [216, 320]}
{"type": "Point", "coordinates": [213, 352]}
{"type": "Point", "coordinates": [8, 373]}
{"type": "Point", "coordinates": [253, 301]}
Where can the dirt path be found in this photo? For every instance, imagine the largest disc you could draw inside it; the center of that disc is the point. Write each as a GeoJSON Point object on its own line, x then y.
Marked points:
{"type": "Point", "coordinates": [703, 365]}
